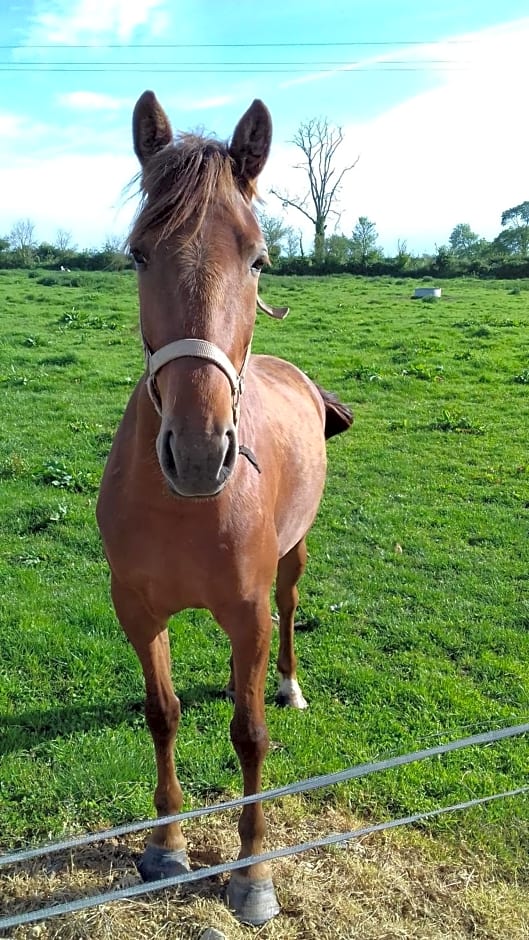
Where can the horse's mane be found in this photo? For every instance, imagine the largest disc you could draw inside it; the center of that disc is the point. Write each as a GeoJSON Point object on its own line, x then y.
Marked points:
{"type": "Point", "coordinates": [179, 182]}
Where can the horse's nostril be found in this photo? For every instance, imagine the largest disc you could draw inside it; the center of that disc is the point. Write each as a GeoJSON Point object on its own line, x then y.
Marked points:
{"type": "Point", "coordinates": [231, 450]}
{"type": "Point", "coordinates": [168, 458]}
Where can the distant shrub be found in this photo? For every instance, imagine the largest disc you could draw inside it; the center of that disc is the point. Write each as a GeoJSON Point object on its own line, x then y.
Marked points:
{"type": "Point", "coordinates": [61, 280]}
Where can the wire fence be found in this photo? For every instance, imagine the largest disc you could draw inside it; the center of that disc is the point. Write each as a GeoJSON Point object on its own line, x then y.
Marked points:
{"type": "Point", "coordinates": [297, 787]}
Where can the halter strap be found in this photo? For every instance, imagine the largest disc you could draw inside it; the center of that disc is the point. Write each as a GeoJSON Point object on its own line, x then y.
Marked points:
{"type": "Point", "coordinates": [196, 349]}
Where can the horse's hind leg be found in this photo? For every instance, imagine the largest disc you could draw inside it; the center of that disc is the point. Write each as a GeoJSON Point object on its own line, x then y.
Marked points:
{"type": "Point", "coordinates": [289, 571]}
{"type": "Point", "coordinates": [165, 854]}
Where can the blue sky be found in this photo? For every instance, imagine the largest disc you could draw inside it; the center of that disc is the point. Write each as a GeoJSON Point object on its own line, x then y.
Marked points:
{"type": "Point", "coordinates": [431, 98]}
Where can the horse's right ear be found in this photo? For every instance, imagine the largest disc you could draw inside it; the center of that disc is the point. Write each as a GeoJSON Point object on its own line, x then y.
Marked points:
{"type": "Point", "coordinates": [251, 141]}
{"type": "Point", "coordinates": [150, 127]}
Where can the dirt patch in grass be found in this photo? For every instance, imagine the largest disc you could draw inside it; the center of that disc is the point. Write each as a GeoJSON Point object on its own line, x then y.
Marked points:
{"type": "Point", "coordinates": [386, 886]}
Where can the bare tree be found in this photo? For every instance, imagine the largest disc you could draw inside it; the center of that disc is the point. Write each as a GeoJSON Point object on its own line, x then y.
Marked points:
{"type": "Point", "coordinates": [114, 243]}
{"type": "Point", "coordinates": [403, 256]}
{"type": "Point", "coordinates": [22, 240]}
{"type": "Point", "coordinates": [293, 244]}
{"type": "Point", "coordinates": [275, 234]}
{"type": "Point", "coordinates": [319, 141]}
{"type": "Point", "coordinates": [63, 241]}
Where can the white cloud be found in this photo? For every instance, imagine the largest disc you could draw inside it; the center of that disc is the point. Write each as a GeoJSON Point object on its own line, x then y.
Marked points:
{"type": "Point", "coordinates": [204, 104]}
{"type": "Point", "coordinates": [80, 193]}
{"type": "Point", "coordinates": [481, 51]}
{"type": "Point", "coordinates": [456, 153]}
{"type": "Point", "coordinates": [360, 65]}
{"type": "Point", "coordinates": [11, 127]}
{"type": "Point", "coordinates": [93, 101]}
{"type": "Point", "coordinates": [73, 21]}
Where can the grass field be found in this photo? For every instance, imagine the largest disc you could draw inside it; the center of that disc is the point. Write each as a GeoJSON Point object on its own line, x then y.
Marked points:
{"type": "Point", "coordinates": [415, 602]}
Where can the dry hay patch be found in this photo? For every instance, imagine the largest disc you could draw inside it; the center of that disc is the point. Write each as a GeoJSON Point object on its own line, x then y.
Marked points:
{"type": "Point", "coordinates": [386, 886]}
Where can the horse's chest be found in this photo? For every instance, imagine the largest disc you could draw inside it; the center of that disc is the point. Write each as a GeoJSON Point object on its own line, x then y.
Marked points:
{"type": "Point", "coordinates": [181, 561]}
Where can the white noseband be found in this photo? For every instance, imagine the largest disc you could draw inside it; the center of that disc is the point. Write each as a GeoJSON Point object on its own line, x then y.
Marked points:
{"type": "Point", "coordinates": [196, 349]}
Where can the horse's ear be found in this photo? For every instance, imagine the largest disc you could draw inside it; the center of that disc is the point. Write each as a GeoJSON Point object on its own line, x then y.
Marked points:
{"type": "Point", "coordinates": [251, 141]}
{"type": "Point", "coordinates": [150, 127]}
{"type": "Point", "coordinates": [279, 313]}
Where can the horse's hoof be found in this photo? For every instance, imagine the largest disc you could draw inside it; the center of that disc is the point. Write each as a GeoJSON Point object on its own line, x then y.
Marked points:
{"type": "Point", "coordinates": [253, 902]}
{"type": "Point", "coordinates": [290, 694]}
{"type": "Point", "coordinates": [157, 862]}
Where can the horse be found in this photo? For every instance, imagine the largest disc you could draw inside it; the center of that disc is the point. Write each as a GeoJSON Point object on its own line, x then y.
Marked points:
{"type": "Point", "coordinates": [217, 469]}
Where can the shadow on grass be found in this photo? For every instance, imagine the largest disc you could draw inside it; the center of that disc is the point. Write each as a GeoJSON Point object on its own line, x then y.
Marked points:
{"type": "Point", "coordinates": [27, 730]}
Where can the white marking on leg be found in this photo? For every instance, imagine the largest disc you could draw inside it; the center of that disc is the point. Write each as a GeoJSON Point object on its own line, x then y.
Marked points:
{"type": "Point", "coordinates": [290, 692]}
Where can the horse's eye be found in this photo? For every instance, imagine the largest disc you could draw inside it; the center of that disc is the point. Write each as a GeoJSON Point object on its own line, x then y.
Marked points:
{"type": "Point", "coordinates": [259, 263]}
{"type": "Point", "coordinates": [138, 257]}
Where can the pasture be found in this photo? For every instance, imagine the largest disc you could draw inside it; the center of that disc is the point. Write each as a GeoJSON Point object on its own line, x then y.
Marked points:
{"type": "Point", "coordinates": [414, 610]}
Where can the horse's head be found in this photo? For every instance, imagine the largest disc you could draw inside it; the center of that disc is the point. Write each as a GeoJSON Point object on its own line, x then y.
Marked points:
{"type": "Point", "coordinates": [198, 250]}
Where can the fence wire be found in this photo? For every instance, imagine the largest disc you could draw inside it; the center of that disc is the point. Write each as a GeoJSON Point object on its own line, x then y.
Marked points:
{"type": "Point", "coordinates": [134, 891]}
{"type": "Point", "coordinates": [290, 789]}
{"type": "Point", "coordinates": [302, 786]}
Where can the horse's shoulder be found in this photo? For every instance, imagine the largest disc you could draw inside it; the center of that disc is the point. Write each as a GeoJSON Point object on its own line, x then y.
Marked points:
{"type": "Point", "coordinates": [281, 379]}
{"type": "Point", "coordinates": [275, 369]}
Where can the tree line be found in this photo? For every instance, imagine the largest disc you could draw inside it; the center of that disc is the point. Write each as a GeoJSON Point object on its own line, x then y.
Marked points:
{"type": "Point", "coordinates": [20, 248]}
{"type": "Point", "coordinates": [322, 174]}
{"type": "Point", "coordinates": [466, 253]}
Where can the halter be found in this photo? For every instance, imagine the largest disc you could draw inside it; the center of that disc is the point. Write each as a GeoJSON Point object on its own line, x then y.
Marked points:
{"type": "Point", "coordinates": [202, 349]}
{"type": "Point", "coordinates": [196, 349]}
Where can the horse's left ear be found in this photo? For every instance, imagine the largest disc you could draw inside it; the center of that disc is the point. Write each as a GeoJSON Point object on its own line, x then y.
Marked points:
{"type": "Point", "coordinates": [150, 127]}
{"type": "Point", "coordinates": [278, 313]}
{"type": "Point", "coordinates": [251, 141]}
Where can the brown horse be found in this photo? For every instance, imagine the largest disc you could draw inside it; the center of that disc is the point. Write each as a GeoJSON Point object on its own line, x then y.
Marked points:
{"type": "Point", "coordinates": [218, 466]}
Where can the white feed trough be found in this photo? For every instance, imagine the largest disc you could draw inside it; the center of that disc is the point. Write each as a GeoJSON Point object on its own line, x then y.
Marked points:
{"type": "Point", "coordinates": [421, 292]}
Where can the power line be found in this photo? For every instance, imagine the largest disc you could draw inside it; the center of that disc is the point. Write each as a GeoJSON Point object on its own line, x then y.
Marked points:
{"type": "Point", "coordinates": [238, 45]}
{"type": "Point", "coordinates": [142, 69]}
{"type": "Point", "coordinates": [314, 63]}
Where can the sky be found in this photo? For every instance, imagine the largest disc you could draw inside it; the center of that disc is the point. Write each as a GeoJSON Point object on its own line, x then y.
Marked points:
{"type": "Point", "coordinates": [431, 99]}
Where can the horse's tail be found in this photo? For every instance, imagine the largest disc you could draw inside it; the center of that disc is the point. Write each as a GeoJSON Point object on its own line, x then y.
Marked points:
{"type": "Point", "coordinates": [338, 417]}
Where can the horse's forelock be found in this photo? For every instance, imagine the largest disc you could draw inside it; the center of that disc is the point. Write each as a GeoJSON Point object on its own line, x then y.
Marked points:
{"type": "Point", "coordinates": [179, 183]}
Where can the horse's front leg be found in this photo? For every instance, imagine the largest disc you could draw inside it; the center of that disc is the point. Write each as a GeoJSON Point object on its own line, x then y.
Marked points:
{"type": "Point", "coordinates": [251, 893]}
{"type": "Point", "coordinates": [165, 854]}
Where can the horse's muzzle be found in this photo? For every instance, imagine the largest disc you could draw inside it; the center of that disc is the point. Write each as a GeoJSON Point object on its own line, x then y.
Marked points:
{"type": "Point", "coordinates": [197, 465]}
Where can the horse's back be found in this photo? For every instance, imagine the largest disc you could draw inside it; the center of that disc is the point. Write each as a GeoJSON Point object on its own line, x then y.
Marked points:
{"type": "Point", "coordinates": [289, 438]}
{"type": "Point", "coordinates": [289, 389]}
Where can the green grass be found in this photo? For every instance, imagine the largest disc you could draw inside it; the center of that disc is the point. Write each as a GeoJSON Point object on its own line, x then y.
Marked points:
{"type": "Point", "coordinates": [403, 648]}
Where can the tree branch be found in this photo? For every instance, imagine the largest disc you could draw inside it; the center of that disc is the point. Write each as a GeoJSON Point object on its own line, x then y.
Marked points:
{"type": "Point", "coordinates": [295, 204]}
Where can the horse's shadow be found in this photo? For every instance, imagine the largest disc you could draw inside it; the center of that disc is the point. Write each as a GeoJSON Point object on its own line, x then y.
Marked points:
{"type": "Point", "coordinates": [29, 729]}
